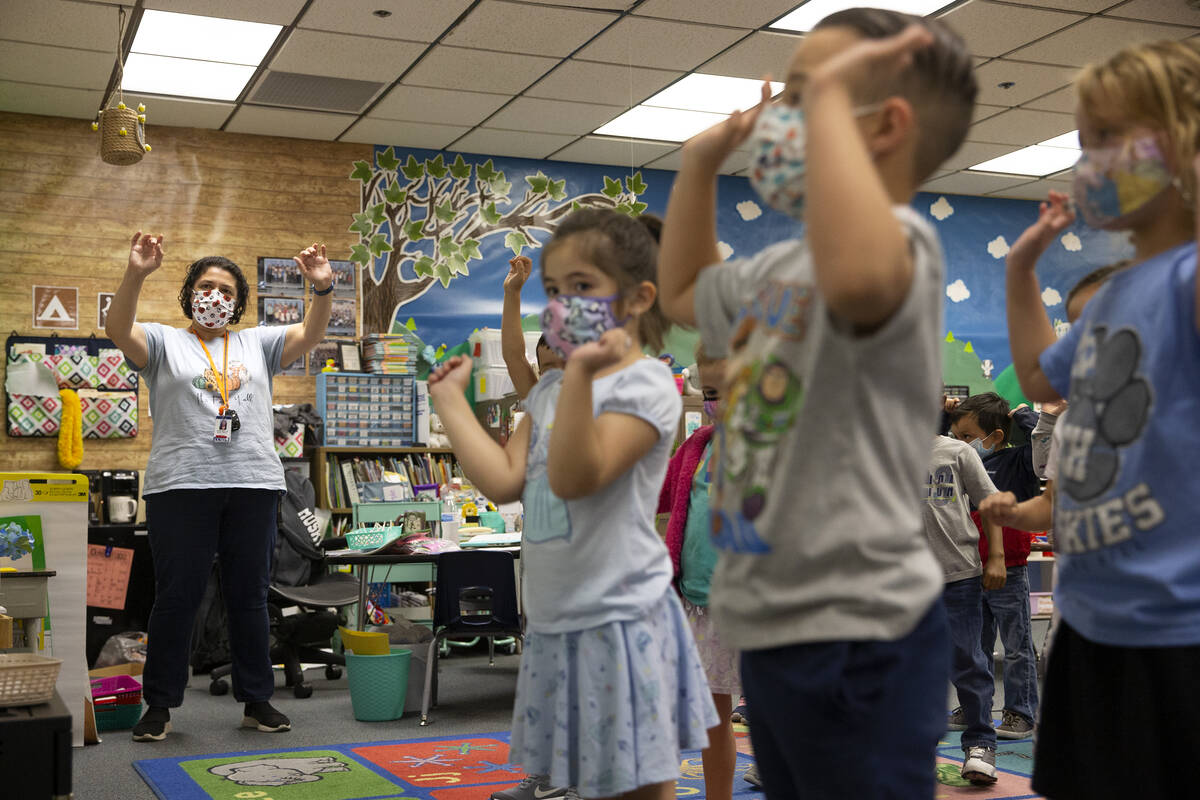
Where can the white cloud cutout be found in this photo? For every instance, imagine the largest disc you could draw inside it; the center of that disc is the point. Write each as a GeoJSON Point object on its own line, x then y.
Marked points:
{"type": "Point", "coordinates": [749, 210]}
{"type": "Point", "coordinates": [1061, 328]}
{"type": "Point", "coordinates": [941, 209]}
{"type": "Point", "coordinates": [1071, 242]}
{"type": "Point", "coordinates": [958, 291]}
{"type": "Point", "coordinates": [725, 250]}
{"type": "Point", "coordinates": [1051, 297]}
{"type": "Point", "coordinates": [998, 247]}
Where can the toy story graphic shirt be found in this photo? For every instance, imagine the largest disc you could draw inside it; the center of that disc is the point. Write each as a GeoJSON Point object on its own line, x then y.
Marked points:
{"type": "Point", "coordinates": [185, 398]}
{"type": "Point", "coordinates": [823, 451]}
{"type": "Point", "coordinates": [1125, 523]}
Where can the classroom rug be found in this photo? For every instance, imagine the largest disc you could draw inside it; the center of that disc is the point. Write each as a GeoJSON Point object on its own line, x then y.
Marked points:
{"type": "Point", "coordinates": [464, 768]}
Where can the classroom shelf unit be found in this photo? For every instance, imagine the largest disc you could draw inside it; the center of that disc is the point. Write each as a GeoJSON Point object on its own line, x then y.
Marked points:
{"type": "Point", "coordinates": [333, 468]}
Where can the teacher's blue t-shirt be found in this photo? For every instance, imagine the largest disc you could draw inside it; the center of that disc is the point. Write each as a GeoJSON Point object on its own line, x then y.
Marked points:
{"type": "Point", "coordinates": [1127, 523]}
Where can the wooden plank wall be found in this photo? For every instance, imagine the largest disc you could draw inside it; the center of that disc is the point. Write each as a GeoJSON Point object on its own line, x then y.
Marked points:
{"type": "Point", "coordinates": [66, 219]}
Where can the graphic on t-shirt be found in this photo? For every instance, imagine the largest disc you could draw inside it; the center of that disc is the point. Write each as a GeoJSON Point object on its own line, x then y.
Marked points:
{"type": "Point", "coordinates": [1110, 405]}
{"type": "Point", "coordinates": [546, 515]}
{"type": "Point", "coordinates": [235, 377]}
{"type": "Point", "coordinates": [941, 489]}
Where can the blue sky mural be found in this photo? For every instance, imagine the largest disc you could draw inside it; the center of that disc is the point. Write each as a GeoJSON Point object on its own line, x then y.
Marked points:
{"type": "Point", "coordinates": [439, 228]}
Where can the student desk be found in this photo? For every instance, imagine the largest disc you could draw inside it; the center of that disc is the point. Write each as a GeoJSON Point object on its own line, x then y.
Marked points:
{"type": "Point", "coordinates": [414, 568]}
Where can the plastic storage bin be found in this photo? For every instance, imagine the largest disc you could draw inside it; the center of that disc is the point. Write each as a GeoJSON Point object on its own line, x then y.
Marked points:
{"type": "Point", "coordinates": [492, 383]}
{"type": "Point", "coordinates": [117, 702]}
{"type": "Point", "coordinates": [24, 595]}
{"type": "Point", "coordinates": [378, 684]}
{"type": "Point", "coordinates": [485, 348]}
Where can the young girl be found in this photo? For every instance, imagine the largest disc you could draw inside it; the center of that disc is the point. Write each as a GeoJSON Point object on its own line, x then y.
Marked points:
{"type": "Point", "coordinates": [1125, 657]}
{"type": "Point", "coordinates": [611, 688]}
{"type": "Point", "coordinates": [512, 337]}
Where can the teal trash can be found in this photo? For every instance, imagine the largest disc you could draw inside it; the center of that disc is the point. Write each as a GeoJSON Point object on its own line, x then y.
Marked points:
{"type": "Point", "coordinates": [378, 684]}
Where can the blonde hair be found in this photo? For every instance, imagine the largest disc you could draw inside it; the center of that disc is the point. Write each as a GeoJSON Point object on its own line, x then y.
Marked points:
{"type": "Point", "coordinates": [1157, 84]}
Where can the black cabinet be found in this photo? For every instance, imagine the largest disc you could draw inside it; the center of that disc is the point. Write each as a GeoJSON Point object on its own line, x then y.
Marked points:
{"type": "Point", "coordinates": [35, 751]}
{"type": "Point", "coordinates": [139, 598]}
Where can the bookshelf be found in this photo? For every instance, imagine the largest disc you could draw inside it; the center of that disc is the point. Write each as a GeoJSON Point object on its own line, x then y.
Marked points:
{"type": "Point", "coordinates": [421, 465]}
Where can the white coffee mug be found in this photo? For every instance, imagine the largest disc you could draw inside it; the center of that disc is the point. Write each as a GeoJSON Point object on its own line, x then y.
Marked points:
{"type": "Point", "coordinates": [122, 508]}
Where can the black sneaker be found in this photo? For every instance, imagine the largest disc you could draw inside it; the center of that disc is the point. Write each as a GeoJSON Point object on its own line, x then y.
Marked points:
{"type": "Point", "coordinates": [154, 725]}
{"type": "Point", "coordinates": [534, 787]}
{"type": "Point", "coordinates": [266, 718]}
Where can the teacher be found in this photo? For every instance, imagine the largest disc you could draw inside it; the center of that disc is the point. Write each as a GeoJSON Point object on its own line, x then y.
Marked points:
{"type": "Point", "coordinates": [213, 482]}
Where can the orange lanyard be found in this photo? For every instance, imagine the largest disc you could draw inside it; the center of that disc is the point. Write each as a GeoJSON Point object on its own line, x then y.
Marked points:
{"type": "Point", "coordinates": [220, 379]}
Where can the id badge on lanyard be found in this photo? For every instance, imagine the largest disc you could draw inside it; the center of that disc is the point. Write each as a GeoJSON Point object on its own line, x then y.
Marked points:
{"type": "Point", "coordinates": [227, 419]}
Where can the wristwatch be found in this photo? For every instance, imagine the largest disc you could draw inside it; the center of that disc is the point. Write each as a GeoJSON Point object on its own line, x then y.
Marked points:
{"type": "Point", "coordinates": [323, 292]}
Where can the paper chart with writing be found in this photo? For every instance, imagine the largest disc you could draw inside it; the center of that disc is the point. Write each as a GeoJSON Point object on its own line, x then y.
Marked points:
{"type": "Point", "coordinates": [108, 576]}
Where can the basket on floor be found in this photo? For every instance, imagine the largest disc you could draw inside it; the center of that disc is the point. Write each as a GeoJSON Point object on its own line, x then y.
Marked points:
{"type": "Point", "coordinates": [27, 679]}
{"type": "Point", "coordinates": [117, 702]}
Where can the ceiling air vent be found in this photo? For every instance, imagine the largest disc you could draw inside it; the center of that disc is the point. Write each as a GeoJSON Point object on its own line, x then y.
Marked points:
{"type": "Point", "coordinates": [297, 90]}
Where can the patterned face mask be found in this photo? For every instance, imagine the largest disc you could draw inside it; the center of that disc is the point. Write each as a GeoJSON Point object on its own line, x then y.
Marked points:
{"type": "Point", "coordinates": [712, 408]}
{"type": "Point", "coordinates": [778, 166]}
{"type": "Point", "coordinates": [1113, 182]}
{"type": "Point", "coordinates": [571, 320]}
{"type": "Point", "coordinates": [212, 308]}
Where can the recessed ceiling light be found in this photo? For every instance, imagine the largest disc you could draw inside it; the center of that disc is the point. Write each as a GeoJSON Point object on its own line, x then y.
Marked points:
{"type": "Point", "coordinates": [806, 17]}
{"type": "Point", "coordinates": [717, 94]}
{"type": "Point", "coordinates": [185, 77]}
{"type": "Point", "coordinates": [662, 124]}
{"type": "Point", "coordinates": [1069, 140]}
{"type": "Point", "coordinates": [230, 41]}
{"type": "Point", "coordinates": [1037, 160]}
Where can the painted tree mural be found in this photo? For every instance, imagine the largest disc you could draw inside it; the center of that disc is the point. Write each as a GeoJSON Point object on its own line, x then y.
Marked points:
{"type": "Point", "coordinates": [422, 222]}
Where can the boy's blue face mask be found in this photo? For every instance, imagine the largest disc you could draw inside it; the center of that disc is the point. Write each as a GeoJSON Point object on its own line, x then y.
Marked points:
{"type": "Point", "coordinates": [979, 448]}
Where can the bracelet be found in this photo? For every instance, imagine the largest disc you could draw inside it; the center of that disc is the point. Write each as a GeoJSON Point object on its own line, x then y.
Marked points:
{"type": "Point", "coordinates": [322, 292]}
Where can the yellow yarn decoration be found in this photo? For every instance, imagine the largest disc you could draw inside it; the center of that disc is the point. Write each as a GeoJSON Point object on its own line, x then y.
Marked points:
{"type": "Point", "coordinates": [120, 105]}
{"type": "Point", "coordinates": [141, 108]}
{"type": "Point", "coordinates": [141, 117]}
{"type": "Point", "coordinates": [147, 148]}
{"type": "Point", "coordinates": [95, 126]}
{"type": "Point", "coordinates": [123, 132]}
{"type": "Point", "coordinates": [70, 431]}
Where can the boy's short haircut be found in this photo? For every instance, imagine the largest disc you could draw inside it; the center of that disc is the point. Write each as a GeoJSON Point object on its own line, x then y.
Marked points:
{"type": "Point", "coordinates": [940, 81]}
{"type": "Point", "coordinates": [1096, 278]}
{"type": "Point", "coordinates": [990, 411]}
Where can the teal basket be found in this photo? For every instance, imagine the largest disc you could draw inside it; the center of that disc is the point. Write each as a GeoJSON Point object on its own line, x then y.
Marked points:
{"type": "Point", "coordinates": [378, 684]}
{"type": "Point", "coordinates": [118, 717]}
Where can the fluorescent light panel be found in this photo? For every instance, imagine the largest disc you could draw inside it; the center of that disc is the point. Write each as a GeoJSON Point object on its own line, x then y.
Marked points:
{"type": "Point", "coordinates": [1039, 160]}
{"type": "Point", "coordinates": [806, 17]}
{"type": "Point", "coordinates": [716, 94]}
{"type": "Point", "coordinates": [662, 124]}
{"type": "Point", "coordinates": [194, 56]}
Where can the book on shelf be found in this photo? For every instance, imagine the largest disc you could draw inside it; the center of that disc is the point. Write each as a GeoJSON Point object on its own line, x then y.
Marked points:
{"type": "Point", "coordinates": [384, 477]}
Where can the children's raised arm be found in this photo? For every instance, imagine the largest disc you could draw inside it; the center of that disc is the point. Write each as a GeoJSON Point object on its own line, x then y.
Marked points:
{"type": "Point", "coordinates": [1029, 328]}
{"type": "Point", "coordinates": [512, 337]}
{"type": "Point", "coordinates": [1196, 167]}
{"type": "Point", "coordinates": [860, 251]}
{"type": "Point", "coordinates": [498, 472]}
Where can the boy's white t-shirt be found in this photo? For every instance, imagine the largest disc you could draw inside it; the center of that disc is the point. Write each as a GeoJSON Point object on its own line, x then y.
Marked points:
{"type": "Point", "coordinates": [823, 452]}
{"type": "Point", "coordinates": [598, 559]}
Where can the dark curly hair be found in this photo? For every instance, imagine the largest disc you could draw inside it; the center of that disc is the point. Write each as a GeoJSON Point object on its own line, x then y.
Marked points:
{"type": "Point", "coordinates": [625, 249]}
{"type": "Point", "coordinates": [201, 266]}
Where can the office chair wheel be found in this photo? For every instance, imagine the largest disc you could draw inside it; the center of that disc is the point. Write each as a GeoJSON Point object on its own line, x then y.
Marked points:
{"type": "Point", "coordinates": [218, 687]}
{"type": "Point", "coordinates": [302, 690]}
{"type": "Point", "coordinates": [333, 673]}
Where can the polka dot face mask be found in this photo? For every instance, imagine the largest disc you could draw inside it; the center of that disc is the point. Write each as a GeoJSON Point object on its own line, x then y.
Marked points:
{"type": "Point", "coordinates": [212, 308]}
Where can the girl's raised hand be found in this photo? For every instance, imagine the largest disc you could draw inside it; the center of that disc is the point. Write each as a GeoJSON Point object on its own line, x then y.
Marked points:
{"type": "Point", "coordinates": [1054, 216]}
{"type": "Point", "coordinates": [453, 375]}
{"type": "Point", "coordinates": [145, 253]}
{"type": "Point", "coordinates": [711, 147]}
{"type": "Point", "coordinates": [519, 268]}
{"type": "Point", "coordinates": [613, 346]}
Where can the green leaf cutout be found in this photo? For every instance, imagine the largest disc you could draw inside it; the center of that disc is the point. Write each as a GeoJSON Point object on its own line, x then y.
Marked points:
{"type": "Point", "coordinates": [359, 254]}
{"type": "Point", "coordinates": [423, 267]}
{"type": "Point", "coordinates": [436, 167]}
{"type": "Point", "coordinates": [460, 169]}
{"type": "Point", "coordinates": [447, 247]}
{"type": "Point", "coordinates": [458, 265]}
{"type": "Point", "coordinates": [377, 215]}
{"type": "Point", "coordinates": [516, 242]}
{"type": "Point", "coordinates": [387, 160]}
{"type": "Point", "coordinates": [537, 183]}
{"type": "Point", "coordinates": [413, 170]}
{"type": "Point", "coordinates": [411, 324]}
{"type": "Point", "coordinates": [557, 189]}
{"type": "Point", "coordinates": [485, 171]}
{"type": "Point", "coordinates": [362, 225]}
{"type": "Point", "coordinates": [611, 188]}
{"type": "Point", "coordinates": [635, 184]}
{"type": "Point", "coordinates": [412, 230]}
{"type": "Point", "coordinates": [445, 210]}
{"type": "Point", "coordinates": [442, 273]}
{"type": "Point", "coordinates": [362, 172]}
{"type": "Point", "coordinates": [490, 215]}
{"type": "Point", "coordinates": [470, 249]}
{"type": "Point", "coordinates": [379, 245]}
{"type": "Point", "coordinates": [639, 209]}
{"type": "Point", "coordinates": [394, 194]}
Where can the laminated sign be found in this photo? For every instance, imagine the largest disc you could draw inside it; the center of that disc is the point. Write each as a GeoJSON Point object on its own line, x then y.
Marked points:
{"type": "Point", "coordinates": [56, 307]}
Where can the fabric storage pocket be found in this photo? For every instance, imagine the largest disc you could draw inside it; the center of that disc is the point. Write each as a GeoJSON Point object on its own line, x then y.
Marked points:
{"type": "Point", "coordinates": [74, 371]}
{"type": "Point", "coordinates": [34, 415]}
{"type": "Point", "coordinates": [109, 415]}
{"type": "Point", "coordinates": [113, 372]}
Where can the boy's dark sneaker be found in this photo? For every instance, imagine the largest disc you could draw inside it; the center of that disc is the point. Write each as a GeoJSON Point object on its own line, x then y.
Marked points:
{"type": "Point", "coordinates": [265, 718]}
{"type": "Point", "coordinates": [534, 787]}
{"type": "Point", "coordinates": [957, 721]}
{"type": "Point", "coordinates": [154, 725]}
{"type": "Point", "coordinates": [1014, 726]}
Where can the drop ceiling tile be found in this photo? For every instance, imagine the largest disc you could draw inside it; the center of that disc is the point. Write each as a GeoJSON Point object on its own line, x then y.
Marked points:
{"type": "Point", "coordinates": [1082, 6]}
{"type": "Point", "coordinates": [761, 54]}
{"type": "Point", "coordinates": [982, 112]}
{"type": "Point", "coordinates": [50, 101]}
{"type": "Point", "coordinates": [1021, 127]}
{"type": "Point", "coordinates": [183, 113]}
{"type": "Point", "coordinates": [656, 43]}
{"type": "Point", "coordinates": [1066, 176]}
{"type": "Point", "coordinates": [612, 5]}
{"type": "Point", "coordinates": [1157, 11]}
{"type": "Point", "coordinates": [737, 161]}
{"type": "Point", "coordinates": [1096, 39]}
{"type": "Point", "coordinates": [1062, 101]}
{"type": "Point", "coordinates": [518, 144]}
{"type": "Point", "coordinates": [1037, 190]}
{"type": "Point", "coordinates": [553, 116]}
{"type": "Point", "coordinates": [972, 153]}
{"type": "Point", "coordinates": [1030, 81]}
{"type": "Point", "coordinates": [533, 30]}
{"type": "Point", "coordinates": [275, 12]}
{"type": "Point", "coordinates": [478, 70]}
{"type": "Point", "coordinates": [717, 12]}
{"type": "Point", "coordinates": [340, 55]}
{"type": "Point", "coordinates": [62, 23]}
{"type": "Point", "coordinates": [407, 134]}
{"type": "Point", "coordinates": [414, 20]}
{"type": "Point", "coordinates": [608, 84]}
{"type": "Point", "coordinates": [975, 183]}
{"type": "Point", "coordinates": [285, 122]}
{"type": "Point", "coordinates": [56, 66]}
{"type": "Point", "coordinates": [992, 29]}
{"type": "Point", "coordinates": [441, 106]}
{"type": "Point", "coordinates": [622, 153]}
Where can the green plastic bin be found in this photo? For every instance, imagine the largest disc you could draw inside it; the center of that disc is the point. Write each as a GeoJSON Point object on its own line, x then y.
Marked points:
{"type": "Point", "coordinates": [378, 684]}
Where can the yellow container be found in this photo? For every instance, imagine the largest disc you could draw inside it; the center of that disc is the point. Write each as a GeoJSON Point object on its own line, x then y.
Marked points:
{"type": "Point", "coordinates": [362, 643]}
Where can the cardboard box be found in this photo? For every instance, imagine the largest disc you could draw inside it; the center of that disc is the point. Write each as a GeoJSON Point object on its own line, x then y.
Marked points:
{"type": "Point", "coordinates": [6, 629]}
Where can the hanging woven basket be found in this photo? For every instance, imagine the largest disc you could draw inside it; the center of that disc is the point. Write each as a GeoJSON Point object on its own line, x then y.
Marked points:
{"type": "Point", "coordinates": [122, 136]}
